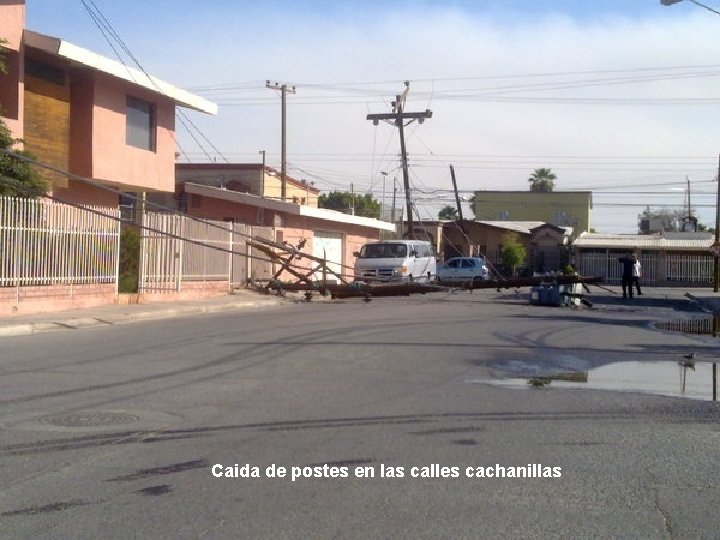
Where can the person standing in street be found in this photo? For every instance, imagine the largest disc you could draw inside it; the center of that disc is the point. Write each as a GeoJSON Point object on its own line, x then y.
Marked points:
{"type": "Point", "coordinates": [628, 263]}
{"type": "Point", "coordinates": [636, 274]}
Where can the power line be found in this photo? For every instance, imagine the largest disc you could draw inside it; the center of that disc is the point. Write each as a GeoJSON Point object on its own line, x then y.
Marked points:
{"type": "Point", "coordinates": [105, 27]}
{"type": "Point", "coordinates": [166, 209]}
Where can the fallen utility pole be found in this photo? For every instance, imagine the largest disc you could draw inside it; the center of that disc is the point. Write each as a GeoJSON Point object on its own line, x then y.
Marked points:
{"type": "Point", "coordinates": [457, 200]}
{"type": "Point", "coordinates": [367, 290]}
{"type": "Point", "coordinates": [398, 118]}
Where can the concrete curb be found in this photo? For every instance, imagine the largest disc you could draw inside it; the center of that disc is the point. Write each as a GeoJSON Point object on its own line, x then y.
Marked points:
{"type": "Point", "coordinates": [26, 329]}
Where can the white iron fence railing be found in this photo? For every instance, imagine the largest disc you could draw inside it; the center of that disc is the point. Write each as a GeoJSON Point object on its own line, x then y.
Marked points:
{"type": "Point", "coordinates": [689, 268]}
{"type": "Point", "coordinates": [658, 268]}
{"type": "Point", "coordinates": [166, 261]}
{"type": "Point", "coordinates": [43, 242]}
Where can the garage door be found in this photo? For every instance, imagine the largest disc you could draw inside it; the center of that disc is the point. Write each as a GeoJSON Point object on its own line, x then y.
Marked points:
{"type": "Point", "coordinates": [330, 245]}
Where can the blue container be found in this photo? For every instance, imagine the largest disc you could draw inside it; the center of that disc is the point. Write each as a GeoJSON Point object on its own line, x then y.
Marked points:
{"type": "Point", "coordinates": [545, 295]}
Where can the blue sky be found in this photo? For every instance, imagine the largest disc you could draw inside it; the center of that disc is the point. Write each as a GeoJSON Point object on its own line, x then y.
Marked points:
{"type": "Point", "coordinates": [610, 94]}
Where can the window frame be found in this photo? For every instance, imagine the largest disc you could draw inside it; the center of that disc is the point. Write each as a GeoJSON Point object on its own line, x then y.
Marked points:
{"type": "Point", "coordinates": [132, 125]}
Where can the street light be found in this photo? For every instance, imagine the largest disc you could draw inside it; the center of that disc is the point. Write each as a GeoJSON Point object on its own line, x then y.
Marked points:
{"type": "Point", "coordinates": [671, 2]}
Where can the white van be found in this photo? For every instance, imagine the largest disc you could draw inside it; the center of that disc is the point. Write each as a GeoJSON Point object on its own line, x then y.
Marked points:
{"type": "Point", "coordinates": [396, 260]}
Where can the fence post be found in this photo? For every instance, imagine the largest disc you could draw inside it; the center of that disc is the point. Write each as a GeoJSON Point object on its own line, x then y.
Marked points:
{"type": "Point", "coordinates": [230, 254]}
{"type": "Point", "coordinates": [16, 262]}
{"type": "Point", "coordinates": [118, 231]}
{"type": "Point", "coordinates": [181, 234]}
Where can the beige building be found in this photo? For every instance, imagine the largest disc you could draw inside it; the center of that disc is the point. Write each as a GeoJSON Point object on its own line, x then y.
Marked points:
{"type": "Point", "coordinates": [559, 208]}
{"type": "Point", "coordinates": [253, 178]}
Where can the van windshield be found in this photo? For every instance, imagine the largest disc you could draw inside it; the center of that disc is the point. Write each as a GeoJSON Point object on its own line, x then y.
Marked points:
{"type": "Point", "coordinates": [383, 251]}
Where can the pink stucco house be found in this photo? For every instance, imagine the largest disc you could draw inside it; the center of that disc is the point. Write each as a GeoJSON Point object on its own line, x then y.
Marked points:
{"type": "Point", "coordinates": [99, 124]}
{"type": "Point", "coordinates": [86, 114]}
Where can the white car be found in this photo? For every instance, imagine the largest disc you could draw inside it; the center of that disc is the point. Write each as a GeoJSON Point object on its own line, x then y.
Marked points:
{"type": "Point", "coordinates": [395, 260]}
{"type": "Point", "coordinates": [463, 270]}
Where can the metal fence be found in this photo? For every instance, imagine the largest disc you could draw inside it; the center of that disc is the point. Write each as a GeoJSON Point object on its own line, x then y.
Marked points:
{"type": "Point", "coordinates": [178, 249]}
{"type": "Point", "coordinates": [689, 268]}
{"type": "Point", "coordinates": [43, 242]}
{"type": "Point", "coordinates": [658, 268]}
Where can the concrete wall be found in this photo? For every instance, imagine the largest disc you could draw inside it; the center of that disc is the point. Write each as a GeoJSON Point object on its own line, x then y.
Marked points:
{"type": "Point", "coordinates": [116, 161]}
{"type": "Point", "coordinates": [50, 298]}
{"type": "Point", "coordinates": [12, 22]}
{"type": "Point", "coordinates": [297, 194]}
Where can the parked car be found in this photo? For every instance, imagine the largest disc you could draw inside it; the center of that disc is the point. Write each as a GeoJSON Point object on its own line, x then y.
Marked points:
{"type": "Point", "coordinates": [463, 269]}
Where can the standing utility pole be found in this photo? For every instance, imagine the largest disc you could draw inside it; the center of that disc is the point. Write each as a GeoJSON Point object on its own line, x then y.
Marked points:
{"type": "Point", "coordinates": [398, 117]}
{"type": "Point", "coordinates": [262, 178]}
{"type": "Point", "coordinates": [392, 210]}
{"type": "Point", "coordinates": [284, 91]}
{"type": "Point", "coordinates": [716, 245]}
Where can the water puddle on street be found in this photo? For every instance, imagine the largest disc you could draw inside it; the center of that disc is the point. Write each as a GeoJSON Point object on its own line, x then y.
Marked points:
{"type": "Point", "coordinates": [687, 378]}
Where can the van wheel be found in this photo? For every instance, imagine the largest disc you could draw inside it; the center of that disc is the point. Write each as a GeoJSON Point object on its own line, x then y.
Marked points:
{"type": "Point", "coordinates": [477, 280]}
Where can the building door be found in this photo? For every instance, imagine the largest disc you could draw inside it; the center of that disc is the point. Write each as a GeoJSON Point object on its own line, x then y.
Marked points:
{"type": "Point", "coordinates": [330, 245]}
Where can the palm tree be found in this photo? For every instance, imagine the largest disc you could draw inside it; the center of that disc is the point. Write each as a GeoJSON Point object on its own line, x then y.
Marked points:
{"type": "Point", "coordinates": [542, 180]}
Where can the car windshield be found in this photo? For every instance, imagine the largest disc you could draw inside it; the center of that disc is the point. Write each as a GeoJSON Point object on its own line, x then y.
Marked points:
{"type": "Point", "coordinates": [383, 251]}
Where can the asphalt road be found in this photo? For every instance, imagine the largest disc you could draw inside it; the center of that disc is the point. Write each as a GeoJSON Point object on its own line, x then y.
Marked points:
{"type": "Point", "coordinates": [115, 432]}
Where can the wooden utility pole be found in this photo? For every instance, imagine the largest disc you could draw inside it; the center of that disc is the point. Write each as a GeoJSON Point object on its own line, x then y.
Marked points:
{"type": "Point", "coordinates": [392, 210]}
{"type": "Point", "coordinates": [716, 245]}
{"type": "Point", "coordinates": [284, 91]}
{"type": "Point", "coordinates": [457, 195]}
{"type": "Point", "coordinates": [398, 118]}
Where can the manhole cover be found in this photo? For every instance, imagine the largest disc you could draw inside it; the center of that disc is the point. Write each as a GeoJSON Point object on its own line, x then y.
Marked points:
{"type": "Point", "coordinates": [89, 419]}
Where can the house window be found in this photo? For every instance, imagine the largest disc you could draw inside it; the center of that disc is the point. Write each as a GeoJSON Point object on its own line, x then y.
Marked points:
{"type": "Point", "coordinates": [504, 215]}
{"type": "Point", "coordinates": [560, 219]}
{"type": "Point", "coordinates": [140, 124]}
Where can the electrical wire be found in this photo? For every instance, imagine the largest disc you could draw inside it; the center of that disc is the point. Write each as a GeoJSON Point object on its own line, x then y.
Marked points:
{"type": "Point", "coordinates": [105, 27]}
{"type": "Point", "coordinates": [118, 192]}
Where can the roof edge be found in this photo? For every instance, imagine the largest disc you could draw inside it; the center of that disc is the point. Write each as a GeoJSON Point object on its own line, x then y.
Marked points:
{"type": "Point", "coordinates": [88, 58]}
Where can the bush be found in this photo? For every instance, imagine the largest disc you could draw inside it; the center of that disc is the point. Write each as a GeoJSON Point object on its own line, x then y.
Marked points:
{"type": "Point", "coordinates": [129, 260]}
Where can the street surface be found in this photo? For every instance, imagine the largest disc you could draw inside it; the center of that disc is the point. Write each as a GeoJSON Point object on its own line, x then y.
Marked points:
{"type": "Point", "coordinates": [114, 432]}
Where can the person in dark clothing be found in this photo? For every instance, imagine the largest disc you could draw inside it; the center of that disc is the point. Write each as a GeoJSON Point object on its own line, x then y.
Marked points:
{"type": "Point", "coordinates": [628, 263]}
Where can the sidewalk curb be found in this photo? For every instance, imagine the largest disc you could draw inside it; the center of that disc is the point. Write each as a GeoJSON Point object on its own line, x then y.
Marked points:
{"type": "Point", "coordinates": [120, 318]}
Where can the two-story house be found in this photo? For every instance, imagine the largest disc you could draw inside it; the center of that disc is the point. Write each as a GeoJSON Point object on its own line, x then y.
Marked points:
{"type": "Point", "coordinates": [91, 116]}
